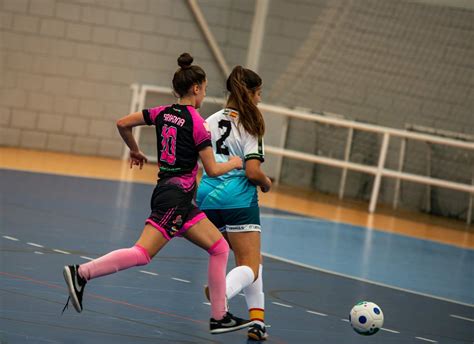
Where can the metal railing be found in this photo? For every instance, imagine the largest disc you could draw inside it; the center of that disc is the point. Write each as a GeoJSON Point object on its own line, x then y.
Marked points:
{"type": "Point", "coordinates": [379, 171]}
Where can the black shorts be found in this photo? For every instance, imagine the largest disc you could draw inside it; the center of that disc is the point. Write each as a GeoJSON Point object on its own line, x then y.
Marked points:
{"type": "Point", "coordinates": [235, 220]}
{"type": "Point", "coordinates": [173, 210]}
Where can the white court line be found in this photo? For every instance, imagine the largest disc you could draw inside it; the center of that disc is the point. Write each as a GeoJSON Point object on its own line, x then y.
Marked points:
{"type": "Point", "coordinates": [37, 252]}
{"type": "Point", "coordinates": [207, 303]}
{"type": "Point", "coordinates": [460, 317]}
{"type": "Point", "coordinates": [180, 280]}
{"type": "Point", "coordinates": [389, 330]}
{"type": "Point", "coordinates": [426, 339]}
{"type": "Point", "coordinates": [149, 273]}
{"type": "Point", "coordinates": [317, 313]}
{"type": "Point", "coordinates": [292, 217]}
{"type": "Point", "coordinates": [282, 304]}
{"type": "Point", "coordinates": [35, 245]}
{"type": "Point", "coordinates": [59, 251]}
{"type": "Point", "coordinates": [86, 258]}
{"type": "Point", "coordinates": [346, 320]}
{"type": "Point", "coordinates": [307, 266]}
{"type": "Point", "coordinates": [10, 238]}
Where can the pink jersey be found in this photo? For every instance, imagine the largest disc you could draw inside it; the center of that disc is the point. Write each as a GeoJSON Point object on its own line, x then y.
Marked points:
{"type": "Point", "coordinates": [181, 133]}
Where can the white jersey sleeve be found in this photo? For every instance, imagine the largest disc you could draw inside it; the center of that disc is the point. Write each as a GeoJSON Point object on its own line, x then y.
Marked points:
{"type": "Point", "coordinates": [253, 147]}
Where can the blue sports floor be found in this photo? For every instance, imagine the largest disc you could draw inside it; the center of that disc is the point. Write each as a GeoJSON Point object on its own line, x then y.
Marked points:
{"type": "Point", "coordinates": [314, 271]}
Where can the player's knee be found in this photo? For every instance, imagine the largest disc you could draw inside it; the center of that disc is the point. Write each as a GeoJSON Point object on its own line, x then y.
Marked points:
{"type": "Point", "coordinates": [254, 266]}
{"type": "Point", "coordinates": [219, 247]}
{"type": "Point", "coordinates": [254, 269]}
{"type": "Point", "coordinates": [142, 254]}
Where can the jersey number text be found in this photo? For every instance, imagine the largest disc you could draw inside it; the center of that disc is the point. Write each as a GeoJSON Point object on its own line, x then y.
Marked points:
{"type": "Point", "coordinates": [168, 144]}
{"type": "Point", "coordinates": [220, 145]}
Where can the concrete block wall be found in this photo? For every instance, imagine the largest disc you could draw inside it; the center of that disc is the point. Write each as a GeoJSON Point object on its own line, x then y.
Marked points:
{"type": "Point", "coordinates": [231, 23]}
{"type": "Point", "coordinates": [66, 67]}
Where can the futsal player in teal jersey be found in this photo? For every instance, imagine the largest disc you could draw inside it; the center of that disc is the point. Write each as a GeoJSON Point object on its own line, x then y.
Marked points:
{"type": "Point", "coordinates": [230, 201]}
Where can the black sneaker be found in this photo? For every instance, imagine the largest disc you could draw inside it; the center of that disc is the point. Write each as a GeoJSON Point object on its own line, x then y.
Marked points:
{"type": "Point", "coordinates": [257, 332]}
{"type": "Point", "coordinates": [228, 323]}
{"type": "Point", "coordinates": [75, 284]}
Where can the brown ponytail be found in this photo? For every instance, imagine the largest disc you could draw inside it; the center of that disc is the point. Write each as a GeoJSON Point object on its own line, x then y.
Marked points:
{"type": "Point", "coordinates": [240, 82]}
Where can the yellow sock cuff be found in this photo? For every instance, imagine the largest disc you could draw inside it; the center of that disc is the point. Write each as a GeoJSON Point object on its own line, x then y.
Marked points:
{"type": "Point", "coordinates": [257, 314]}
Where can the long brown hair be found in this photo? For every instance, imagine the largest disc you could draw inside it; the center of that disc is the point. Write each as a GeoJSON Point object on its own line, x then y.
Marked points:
{"type": "Point", "coordinates": [240, 82]}
{"type": "Point", "coordinates": [187, 75]}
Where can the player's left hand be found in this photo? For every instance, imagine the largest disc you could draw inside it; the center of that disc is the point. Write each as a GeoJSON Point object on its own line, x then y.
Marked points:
{"type": "Point", "coordinates": [268, 185]}
{"type": "Point", "coordinates": [137, 158]}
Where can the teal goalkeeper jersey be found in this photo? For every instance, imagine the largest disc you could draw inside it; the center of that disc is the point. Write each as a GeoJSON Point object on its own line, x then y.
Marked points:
{"type": "Point", "coordinates": [233, 189]}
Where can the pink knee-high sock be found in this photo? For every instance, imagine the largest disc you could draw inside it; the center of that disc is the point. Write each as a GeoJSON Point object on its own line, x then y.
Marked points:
{"type": "Point", "coordinates": [114, 261]}
{"type": "Point", "coordinates": [216, 277]}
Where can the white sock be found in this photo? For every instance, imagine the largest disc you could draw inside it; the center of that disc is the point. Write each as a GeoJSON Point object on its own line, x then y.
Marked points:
{"type": "Point", "coordinates": [237, 279]}
{"type": "Point", "coordinates": [255, 298]}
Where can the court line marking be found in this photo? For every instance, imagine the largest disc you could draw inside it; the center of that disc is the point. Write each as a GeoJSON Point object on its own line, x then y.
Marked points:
{"type": "Point", "coordinates": [107, 299]}
{"type": "Point", "coordinates": [60, 251]}
{"type": "Point", "coordinates": [289, 261]}
{"type": "Point", "coordinates": [291, 217]}
{"type": "Point", "coordinates": [427, 340]}
{"type": "Point", "coordinates": [35, 245]}
{"type": "Point", "coordinates": [389, 330]}
{"type": "Point", "coordinates": [180, 280]}
{"type": "Point", "coordinates": [10, 238]}
{"type": "Point", "coordinates": [282, 304]}
{"type": "Point", "coordinates": [147, 183]}
{"type": "Point", "coordinates": [155, 310]}
{"type": "Point", "coordinates": [75, 175]}
{"type": "Point", "coordinates": [275, 303]}
{"type": "Point", "coordinates": [317, 313]}
{"type": "Point", "coordinates": [87, 258]}
{"type": "Point", "coordinates": [460, 317]}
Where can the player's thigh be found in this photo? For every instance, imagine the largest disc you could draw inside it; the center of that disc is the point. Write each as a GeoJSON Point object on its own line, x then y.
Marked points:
{"type": "Point", "coordinates": [203, 234]}
{"type": "Point", "coordinates": [246, 247]}
{"type": "Point", "coordinates": [151, 240]}
{"type": "Point", "coordinates": [214, 215]}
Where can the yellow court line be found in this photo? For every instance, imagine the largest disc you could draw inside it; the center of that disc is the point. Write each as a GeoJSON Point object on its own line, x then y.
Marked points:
{"type": "Point", "coordinates": [291, 199]}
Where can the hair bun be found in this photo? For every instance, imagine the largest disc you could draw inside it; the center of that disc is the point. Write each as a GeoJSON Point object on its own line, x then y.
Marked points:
{"type": "Point", "coordinates": [185, 60]}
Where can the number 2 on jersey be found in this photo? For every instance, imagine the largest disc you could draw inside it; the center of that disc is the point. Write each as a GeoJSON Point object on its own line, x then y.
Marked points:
{"type": "Point", "coordinates": [168, 144]}
{"type": "Point", "coordinates": [221, 148]}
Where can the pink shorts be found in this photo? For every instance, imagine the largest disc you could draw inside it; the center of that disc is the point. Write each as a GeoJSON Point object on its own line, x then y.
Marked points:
{"type": "Point", "coordinates": [173, 211]}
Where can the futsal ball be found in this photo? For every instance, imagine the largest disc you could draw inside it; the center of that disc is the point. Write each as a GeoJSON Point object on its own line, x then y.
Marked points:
{"type": "Point", "coordinates": [366, 318]}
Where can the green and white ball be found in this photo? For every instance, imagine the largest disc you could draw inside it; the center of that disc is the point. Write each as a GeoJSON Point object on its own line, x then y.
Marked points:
{"type": "Point", "coordinates": [366, 318]}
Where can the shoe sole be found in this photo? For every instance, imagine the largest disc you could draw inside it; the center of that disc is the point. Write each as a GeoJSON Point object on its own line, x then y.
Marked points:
{"type": "Point", "coordinates": [257, 338]}
{"type": "Point", "coordinates": [230, 329]}
{"type": "Point", "coordinates": [70, 286]}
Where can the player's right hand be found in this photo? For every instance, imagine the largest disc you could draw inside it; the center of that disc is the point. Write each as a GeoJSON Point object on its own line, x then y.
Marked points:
{"type": "Point", "coordinates": [137, 158]}
{"type": "Point", "coordinates": [236, 162]}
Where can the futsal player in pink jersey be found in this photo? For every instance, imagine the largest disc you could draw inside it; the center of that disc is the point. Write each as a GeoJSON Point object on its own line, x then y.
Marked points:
{"type": "Point", "coordinates": [182, 138]}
